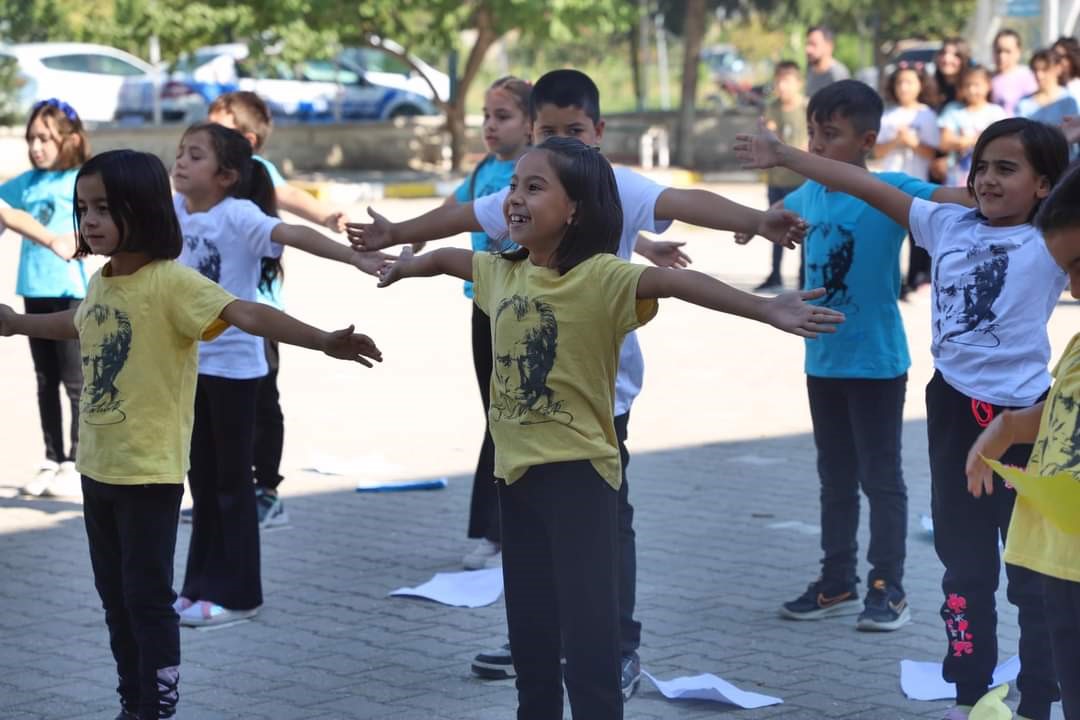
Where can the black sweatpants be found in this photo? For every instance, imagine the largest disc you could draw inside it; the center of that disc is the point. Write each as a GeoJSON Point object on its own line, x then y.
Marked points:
{"type": "Point", "coordinates": [857, 428]}
{"type": "Point", "coordinates": [56, 363]}
{"type": "Point", "coordinates": [131, 531]}
{"type": "Point", "coordinates": [966, 535]}
{"type": "Point", "coordinates": [1062, 599]}
{"type": "Point", "coordinates": [560, 569]}
{"type": "Point", "coordinates": [269, 424]}
{"type": "Point", "coordinates": [223, 557]}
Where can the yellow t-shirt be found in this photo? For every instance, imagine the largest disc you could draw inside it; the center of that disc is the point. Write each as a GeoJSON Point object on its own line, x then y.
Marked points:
{"type": "Point", "coordinates": [556, 343]}
{"type": "Point", "coordinates": [140, 336]}
{"type": "Point", "coordinates": [1034, 542]}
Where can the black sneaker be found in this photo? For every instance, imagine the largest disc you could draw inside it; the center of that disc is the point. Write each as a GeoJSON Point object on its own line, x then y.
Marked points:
{"type": "Point", "coordinates": [822, 600]}
{"type": "Point", "coordinates": [885, 610]}
{"type": "Point", "coordinates": [494, 665]}
{"type": "Point", "coordinates": [631, 675]}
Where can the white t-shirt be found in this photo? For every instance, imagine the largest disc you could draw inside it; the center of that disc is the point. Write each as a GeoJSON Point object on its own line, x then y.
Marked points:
{"type": "Point", "coordinates": [638, 196]}
{"type": "Point", "coordinates": [227, 244]}
{"type": "Point", "coordinates": [994, 290]}
{"type": "Point", "coordinates": [923, 121]}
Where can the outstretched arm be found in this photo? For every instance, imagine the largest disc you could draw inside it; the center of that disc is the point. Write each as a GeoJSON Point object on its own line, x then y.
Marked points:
{"type": "Point", "coordinates": [48, 326]}
{"type": "Point", "coordinates": [442, 222]}
{"type": "Point", "coordinates": [764, 150]}
{"type": "Point", "coordinates": [304, 205]}
{"type": "Point", "coordinates": [788, 312]}
{"type": "Point", "coordinates": [707, 209]}
{"type": "Point", "coordinates": [24, 223]}
{"type": "Point", "coordinates": [662, 253]}
{"type": "Point", "coordinates": [444, 261]}
{"type": "Point", "coordinates": [311, 241]}
{"type": "Point", "coordinates": [265, 321]}
{"type": "Point", "coordinates": [1010, 428]}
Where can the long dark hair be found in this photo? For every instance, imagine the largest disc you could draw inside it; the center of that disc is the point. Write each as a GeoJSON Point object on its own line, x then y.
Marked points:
{"type": "Point", "coordinates": [233, 152]}
{"type": "Point", "coordinates": [1044, 146]}
{"type": "Point", "coordinates": [588, 180]}
{"type": "Point", "coordinates": [140, 203]}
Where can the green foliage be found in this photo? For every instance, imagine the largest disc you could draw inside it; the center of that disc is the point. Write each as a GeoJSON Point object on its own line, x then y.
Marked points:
{"type": "Point", "coordinates": [9, 113]}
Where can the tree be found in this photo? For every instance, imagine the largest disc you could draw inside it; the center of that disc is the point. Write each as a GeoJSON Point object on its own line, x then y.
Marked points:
{"type": "Point", "coordinates": [693, 33]}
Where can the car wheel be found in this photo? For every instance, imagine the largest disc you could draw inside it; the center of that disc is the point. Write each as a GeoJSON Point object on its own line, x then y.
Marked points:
{"type": "Point", "coordinates": [405, 111]}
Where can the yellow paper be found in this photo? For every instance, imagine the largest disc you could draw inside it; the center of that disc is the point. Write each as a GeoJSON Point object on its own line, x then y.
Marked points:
{"type": "Point", "coordinates": [1056, 497]}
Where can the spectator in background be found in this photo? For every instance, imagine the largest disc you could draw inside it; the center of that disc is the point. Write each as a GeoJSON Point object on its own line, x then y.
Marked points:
{"type": "Point", "coordinates": [963, 121]}
{"type": "Point", "coordinates": [949, 62]}
{"type": "Point", "coordinates": [1012, 80]}
{"type": "Point", "coordinates": [1067, 53]}
{"type": "Point", "coordinates": [1050, 103]}
{"type": "Point", "coordinates": [822, 68]}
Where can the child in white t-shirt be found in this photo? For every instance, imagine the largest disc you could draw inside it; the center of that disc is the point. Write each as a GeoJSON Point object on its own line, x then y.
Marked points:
{"type": "Point", "coordinates": [962, 122]}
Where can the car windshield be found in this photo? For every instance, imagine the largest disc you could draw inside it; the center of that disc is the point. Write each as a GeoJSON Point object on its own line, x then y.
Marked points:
{"type": "Point", "coordinates": [328, 71]}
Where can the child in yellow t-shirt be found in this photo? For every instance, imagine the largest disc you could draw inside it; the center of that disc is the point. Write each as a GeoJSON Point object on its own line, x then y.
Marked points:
{"type": "Point", "coordinates": [1035, 540]}
{"type": "Point", "coordinates": [139, 329]}
{"type": "Point", "coordinates": [559, 308]}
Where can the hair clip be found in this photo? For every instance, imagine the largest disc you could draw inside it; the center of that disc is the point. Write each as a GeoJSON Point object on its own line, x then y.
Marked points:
{"type": "Point", "coordinates": [69, 112]}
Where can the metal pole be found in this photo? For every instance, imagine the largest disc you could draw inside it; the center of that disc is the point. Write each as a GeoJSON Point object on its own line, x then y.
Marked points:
{"type": "Point", "coordinates": [662, 62]}
{"type": "Point", "coordinates": [155, 60]}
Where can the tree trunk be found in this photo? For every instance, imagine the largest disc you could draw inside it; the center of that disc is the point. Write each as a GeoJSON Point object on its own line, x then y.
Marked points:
{"type": "Point", "coordinates": [486, 35]}
{"type": "Point", "coordinates": [635, 68]}
{"type": "Point", "coordinates": [693, 34]}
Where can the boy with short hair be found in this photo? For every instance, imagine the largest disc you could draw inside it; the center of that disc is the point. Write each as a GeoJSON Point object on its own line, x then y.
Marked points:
{"type": "Point", "coordinates": [857, 377]}
{"type": "Point", "coordinates": [566, 103]}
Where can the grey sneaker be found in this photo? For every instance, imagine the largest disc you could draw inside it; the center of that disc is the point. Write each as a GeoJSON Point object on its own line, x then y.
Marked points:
{"type": "Point", "coordinates": [495, 665]}
{"type": "Point", "coordinates": [631, 675]}
{"type": "Point", "coordinates": [271, 509]}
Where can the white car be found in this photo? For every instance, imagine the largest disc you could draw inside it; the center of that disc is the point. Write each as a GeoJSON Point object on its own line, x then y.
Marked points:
{"type": "Point", "coordinates": [87, 77]}
{"type": "Point", "coordinates": [384, 69]}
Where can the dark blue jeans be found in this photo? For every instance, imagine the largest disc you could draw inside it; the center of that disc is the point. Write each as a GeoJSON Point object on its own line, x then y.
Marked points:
{"type": "Point", "coordinates": [857, 426]}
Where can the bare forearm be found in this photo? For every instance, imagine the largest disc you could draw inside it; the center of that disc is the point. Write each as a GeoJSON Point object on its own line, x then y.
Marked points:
{"type": "Point", "coordinates": [1024, 424]}
{"type": "Point", "coordinates": [313, 242]}
{"type": "Point", "coordinates": [24, 223]}
{"type": "Point", "coordinates": [442, 222]}
{"type": "Point", "coordinates": [265, 321]}
{"type": "Point", "coordinates": [302, 204]}
{"type": "Point", "coordinates": [47, 326]}
{"type": "Point", "coordinates": [700, 289]}
{"type": "Point", "coordinates": [444, 261]}
{"type": "Point", "coordinates": [706, 209]}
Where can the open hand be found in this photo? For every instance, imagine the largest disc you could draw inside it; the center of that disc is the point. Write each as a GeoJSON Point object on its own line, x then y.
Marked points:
{"type": "Point", "coordinates": [6, 314]}
{"type": "Point", "coordinates": [394, 270]}
{"type": "Point", "coordinates": [335, 221]}
{"type": "Point", "coordinates": [782, 227]}
{"type": "Point", "coordinates": [665, 253]}
{"type": "Point", "coordinates": [759, 151]}
{"type": "Point", "coordinates": [370, 262]}
{"type": "Point", "coordinates": [375, 235]}
{"type": "Point", "coordinates": [991, 443]}
{"type": "Point", "coordinates": [791, 313]}
{"type": "Point", "coordinates": [742, 238]}
{"type": "Point", "coordinates": [64, 246]}
{"type": "Point", "coordinates": [344, 344]}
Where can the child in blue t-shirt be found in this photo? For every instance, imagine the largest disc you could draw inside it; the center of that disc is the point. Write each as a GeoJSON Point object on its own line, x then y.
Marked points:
{"type": "Point", "coordinates": [507, 135]}
{"type": "Point", "coordinates": [857, 378]}
{"type": "Point", "coordinates": [49, 283]}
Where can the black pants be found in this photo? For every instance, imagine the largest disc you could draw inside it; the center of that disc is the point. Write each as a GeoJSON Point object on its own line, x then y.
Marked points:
{"type": "Point", "coordinates": [56, 363]}
{"type": "Point", "coordinates": [484, 506]}
{"type": "Point", "coordinates": [560, 569]}
{"type": "Point", "coordinates": [131, 530]}
{"type": "Point", "coordinates": [966, 535]}
{"type": "Point", "coordinates": [857, 428]}
{"type": "Point", "coordinates": [776, 194]}
{"type": "Point", "coordinates": [223, 558]}
{"type": "Point", "coordinates": [1062, 599]}
{"type": "Point", "coordinates": [269, 425]}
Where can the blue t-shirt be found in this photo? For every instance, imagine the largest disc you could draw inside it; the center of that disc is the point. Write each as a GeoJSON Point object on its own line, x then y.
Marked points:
{"type": "Point", "coordinates": [492, 175]}
{"type": "Point", "coordinates": [853, 251]}
{"type": "Point", "coordinates": [48, 196]}
{"type": "Point", "coordinates": [271, 296]}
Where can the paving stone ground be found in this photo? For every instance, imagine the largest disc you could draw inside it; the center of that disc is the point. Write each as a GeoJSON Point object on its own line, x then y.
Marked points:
{"type": "Point", "coordinates": [722, 478]}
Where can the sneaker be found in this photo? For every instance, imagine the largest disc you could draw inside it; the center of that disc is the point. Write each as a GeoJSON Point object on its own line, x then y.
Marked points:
{"type": "Point", "coordinates": [186, 514]}
{"type": "Point", "coordinates": [886, 609]}
{"type": "Point", "coordinates": [270, 508]}
{"type": "Point", "coordinates": [770, 284]}
{"type": "Point", "coordinates": [43, 478]}
{"type": "Point", "coordinates": [631, 675]}
{"type": "Point", "coordinates": [204, 613]}
{"type": "Point", "coordinates": [181, 604]}
{"type": "Point", "coordinates": [479, 555]}
{"type": "Point", "coordinates": [68, 482]}
{"type": "Point", "coordinates": [495, 665]}
{"type": "Point", "coordinates": [820, 601]}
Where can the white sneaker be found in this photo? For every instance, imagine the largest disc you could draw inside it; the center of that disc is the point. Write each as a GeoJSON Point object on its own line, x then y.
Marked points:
{"type": "Point", "coordinates": [477, 559]}
{"type": "Point", "coordinates": [68, 482]}
{"type": "Point", "coordinates": [45, 476]}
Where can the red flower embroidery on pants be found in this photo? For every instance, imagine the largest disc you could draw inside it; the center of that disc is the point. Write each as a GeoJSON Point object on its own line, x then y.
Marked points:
{"type": "Point", "coordinates": [956, 625]}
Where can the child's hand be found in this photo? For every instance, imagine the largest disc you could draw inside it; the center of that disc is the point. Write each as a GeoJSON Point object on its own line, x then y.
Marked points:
{"type": "Point", "coordinates": [394, 270]}
{"type": "Point", "coordinates": [782, 227]}
{"type": "Point", "coordinates": [664, 253]}
{"type": "Point", "coordinates": [790, 312]}
{"type": "Point", "coordinates": [760, 151]}
{"type": "Point", "coordinates": [335, 221]}
{"type": "Point", "coordinates": [1070, 125]}
{"type": "Point", "coordinates": [370, 262]}
{"type": "Point", "coordinates": [743, 238]}
{"type": "Point", "coordinates": [6, 315]}
{"type": "Point", "coordinates": [346, 345]}
{"type": "Point", "coordinates": [908, 137]}
{"type": "Point", "coordinates": [64, 246]}
{"type": "Point", "coordinates": [991, 443]}
{"type": "Point", "coordinates": [376, 235]}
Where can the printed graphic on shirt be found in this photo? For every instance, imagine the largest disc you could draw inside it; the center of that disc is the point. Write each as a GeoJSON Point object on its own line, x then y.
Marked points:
{"type": "Point", "coordinates": [45, 211]}
{"type": "Point", "coordinates": [832, 273]}
{"type": "Point", "coordinates": [208, 257]}
{"type": "Point", "coordinates": [525, 343]}
{"type": "Point", "coordinates": [102, 362]}
{"type": "Point", "coordinates": [965, 305]}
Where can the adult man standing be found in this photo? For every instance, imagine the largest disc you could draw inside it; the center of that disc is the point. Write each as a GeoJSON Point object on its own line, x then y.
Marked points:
{"type": "Point", "coordinates": [821, 67]}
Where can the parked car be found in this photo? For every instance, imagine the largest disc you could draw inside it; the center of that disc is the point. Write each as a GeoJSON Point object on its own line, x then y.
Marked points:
{"type": "Point", "coordinates": [311, 90]}
{"type": "Point", "coordinates": [88, 77]}
{"type": "Point", "coordinates": [384, 69]}
{"type": "Point", "coordinates": [918, 54]}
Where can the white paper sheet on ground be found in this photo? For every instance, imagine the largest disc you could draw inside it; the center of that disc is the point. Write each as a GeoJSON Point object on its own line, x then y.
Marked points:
{"type": "Point", "coordinates": [472, 589]}
{"type": "Point", "coordinates": [710, 687]}
{"type": "Point", "coordinates": [377, 486]}
{"type": "Point", "coordinates": [756, 460]}
{"type": "Point", "coordinates": [363, 465]}
{"type": "Point", "coordinates": [923, 681]}
{"type": "Point", "coordinates": [796, 525]}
